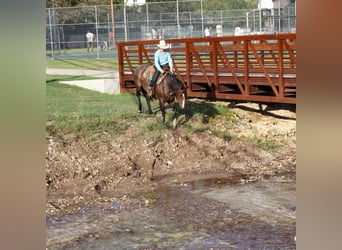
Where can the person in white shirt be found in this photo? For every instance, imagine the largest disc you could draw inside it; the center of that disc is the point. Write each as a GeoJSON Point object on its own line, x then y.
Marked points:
{"type": "Point", "coordinates": [207, 31]}
{"type": "Point", "coordinates": [90, 40]}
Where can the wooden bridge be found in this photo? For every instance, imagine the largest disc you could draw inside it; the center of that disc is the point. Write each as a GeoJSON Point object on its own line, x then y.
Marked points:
{"type": "Point", "coordinates": [260, 68]}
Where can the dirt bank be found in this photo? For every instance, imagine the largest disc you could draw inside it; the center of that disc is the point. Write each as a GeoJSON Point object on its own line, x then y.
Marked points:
{"type": "Point", "coordinates": [104, 169]}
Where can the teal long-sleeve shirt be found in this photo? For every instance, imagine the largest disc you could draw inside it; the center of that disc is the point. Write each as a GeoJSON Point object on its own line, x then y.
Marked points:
{"type": "Point", "coordinates": [162, 58]}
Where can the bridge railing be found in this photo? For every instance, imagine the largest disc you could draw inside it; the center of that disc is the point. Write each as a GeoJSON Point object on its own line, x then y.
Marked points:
{"type": "Point", "coordinates": [258, 68]}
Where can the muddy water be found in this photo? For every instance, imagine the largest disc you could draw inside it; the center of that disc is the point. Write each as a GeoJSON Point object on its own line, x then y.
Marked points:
{"type": "Point", "coordinates": [210, 213]}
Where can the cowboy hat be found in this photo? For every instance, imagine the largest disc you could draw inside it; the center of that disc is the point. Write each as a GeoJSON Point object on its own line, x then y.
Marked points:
{"type": "Point", "coordinates": [163, 45]}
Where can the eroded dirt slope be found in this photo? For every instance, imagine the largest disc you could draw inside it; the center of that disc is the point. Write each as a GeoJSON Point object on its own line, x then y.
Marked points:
{"type": "Point", "coordinates": [103, 169]}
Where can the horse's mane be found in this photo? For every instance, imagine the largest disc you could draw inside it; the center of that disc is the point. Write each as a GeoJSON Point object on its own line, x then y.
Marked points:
{"type": "Point", "coordinates": [174, 82]}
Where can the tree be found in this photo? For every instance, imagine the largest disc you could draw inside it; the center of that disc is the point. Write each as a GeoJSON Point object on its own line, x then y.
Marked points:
{"type": "Point", "coordinates": [207, 4]}
{"type": "Point", "coordinates": [229, 4]}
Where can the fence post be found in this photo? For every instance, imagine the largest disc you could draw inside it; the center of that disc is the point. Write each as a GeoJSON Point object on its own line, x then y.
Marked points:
{"type": "Point", "coordinates": [97, 33]}
{"type": "Point", "coordinates": [51, 41]}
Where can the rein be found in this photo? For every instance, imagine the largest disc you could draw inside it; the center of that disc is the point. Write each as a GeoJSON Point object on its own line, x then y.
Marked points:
{"type": "Point", "coordinates": [164, 84]}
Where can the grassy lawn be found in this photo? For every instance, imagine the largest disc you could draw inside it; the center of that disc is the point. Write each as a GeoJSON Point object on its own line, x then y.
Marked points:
{"type": "Point", "coordinates": [71, 109]}
{"type": "Point", "coordinates": [84, 63]}
{"type": "Point", "coordinates": [74, 110]}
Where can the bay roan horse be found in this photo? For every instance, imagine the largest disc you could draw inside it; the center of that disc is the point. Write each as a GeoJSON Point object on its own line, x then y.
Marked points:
{"type": "Point", "coordinates": [167, 89]}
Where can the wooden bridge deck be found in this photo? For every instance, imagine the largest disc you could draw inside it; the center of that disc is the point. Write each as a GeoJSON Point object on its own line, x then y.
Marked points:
{"type": "Point", "coordinates": [258, 68]}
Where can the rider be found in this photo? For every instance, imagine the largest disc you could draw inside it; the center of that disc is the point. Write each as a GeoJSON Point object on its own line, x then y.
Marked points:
{"type": "Point", "coordinates": [162, 61]}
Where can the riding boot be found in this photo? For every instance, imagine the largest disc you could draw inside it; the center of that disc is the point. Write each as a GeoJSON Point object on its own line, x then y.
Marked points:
{"type": "Point", "coordinates": [152, 83]}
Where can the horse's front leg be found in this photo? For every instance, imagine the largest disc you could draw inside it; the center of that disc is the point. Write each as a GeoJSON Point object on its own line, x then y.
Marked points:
{"type": "Point", "coordinates": [163, 112]}
{"type": "Point", "coordinates": [175, 114]}
{"type": "Point", "coordinates": [137, 93]}
{"type": "Point", "coordinates": [162, 109]}
{"type": "Point", "coordinates": [148, 101]}
{"type": "Point", "coordinates": [175, 110]}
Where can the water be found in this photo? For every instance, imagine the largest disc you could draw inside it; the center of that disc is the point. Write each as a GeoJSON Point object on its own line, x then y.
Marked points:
{"type": "Point", "coordinates": [204, 214]}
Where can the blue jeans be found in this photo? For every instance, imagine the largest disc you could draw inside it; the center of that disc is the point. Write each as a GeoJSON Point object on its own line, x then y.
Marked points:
{"type": "Point", "coordinates": [157, 73]}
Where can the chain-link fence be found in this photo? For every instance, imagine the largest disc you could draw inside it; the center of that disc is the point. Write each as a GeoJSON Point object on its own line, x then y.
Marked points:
{"type": "Point", "coordinates": [66, 28]}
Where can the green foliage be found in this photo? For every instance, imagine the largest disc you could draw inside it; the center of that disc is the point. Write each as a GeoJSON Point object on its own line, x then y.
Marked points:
{"type": "Point", "coordinates": [266, 145]}
{"type": "Point", "coordinates": [152, 128]}
{"type": "Point", "coordinates": [162, 6]}
{"type": "Point", "coordinates": [223, 134]}
{"type": "Point", "coordinates": [155, 9]}
{"type": "Point", "coordinates": [72, 3]}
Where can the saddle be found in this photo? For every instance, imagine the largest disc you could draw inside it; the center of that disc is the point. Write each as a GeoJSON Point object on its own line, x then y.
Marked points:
{"type": "Point", "coordinates": [149, 71]}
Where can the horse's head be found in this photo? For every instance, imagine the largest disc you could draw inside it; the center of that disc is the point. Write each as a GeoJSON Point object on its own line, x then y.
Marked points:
{"type": "Point", "coordinates": [178, 88]}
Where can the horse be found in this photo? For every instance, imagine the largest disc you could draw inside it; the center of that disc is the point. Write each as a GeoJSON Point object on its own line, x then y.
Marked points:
{"type": "Point", "coordinates": [167, 89]}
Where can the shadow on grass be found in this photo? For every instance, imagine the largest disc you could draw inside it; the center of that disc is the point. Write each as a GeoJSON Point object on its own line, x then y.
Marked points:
{"type": "Point", "coordinates": [266, 111]}
{"type": "Point", "coordinates": [58, 78]}
{"type": "Point", "coordinates": [203, 108]}
{"type": "Point", "coordinates": [199, 108]}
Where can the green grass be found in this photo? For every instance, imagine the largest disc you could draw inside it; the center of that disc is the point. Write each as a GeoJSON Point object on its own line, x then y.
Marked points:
{"type": "Point", "coordinates": [90, 63]}
{"type": "Point", "coordinates": [71, 109]}
{"type": "Point", "coordinates": [74, 110]}
{"type": "Point", "coordinates": [266, 145]}
{"type": "Point", "coordinates": [70, 51]}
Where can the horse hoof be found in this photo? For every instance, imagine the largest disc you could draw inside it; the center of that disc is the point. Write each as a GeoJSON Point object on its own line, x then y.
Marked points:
{"type": "Point", "coordinates": [174, 124]}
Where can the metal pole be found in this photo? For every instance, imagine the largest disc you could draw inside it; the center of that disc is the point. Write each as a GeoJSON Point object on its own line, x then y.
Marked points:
{"type": "Point", "coordinates": [222, 19]}
{"type": "Point", "coordinates": [161, 26]}
{"type": "Point", "coordinates": [97, 34]}
{"type": "Point", "coordinates": [190, 24]}
{"type": "Point", "coordinates": [288, 20]}
{"type": "Point", "coordinates": [113, 28]}
{"type": "Point", "coordinates": [202, 16]}
{"type": "Point", "coordinates": [51, 42]}
{"type": "Point", "coordinates": [295, 17]}
{"type": "Point", "coordinates": [272, 12]}
{"type": "Point", "coordinates": [260, 21]}
{"type": "Point", "coordinates": [178, 26]}
{"type": "Point", "coordinates": [279, 27]}
{"type": "Point", "coordinates": [54, 24]}
{"type": "Point", "coordinates": [58, 38]}
{"type": "Point", "coordinates": [254, 22]}
{"type": "Point", "coordinates": [125, 20]}
{"type": "Point", "coordinates": [108, 31]}
{"type": "Point", "coordinates": [147, 21]}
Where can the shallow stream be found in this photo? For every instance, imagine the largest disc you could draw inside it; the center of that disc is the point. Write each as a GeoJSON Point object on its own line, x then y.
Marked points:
{"type": "Point", "coordinates": [202, 214]}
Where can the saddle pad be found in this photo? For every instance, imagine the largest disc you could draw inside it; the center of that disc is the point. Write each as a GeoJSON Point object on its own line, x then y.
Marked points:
{"type": "Point", "coordinates": [148, 73]}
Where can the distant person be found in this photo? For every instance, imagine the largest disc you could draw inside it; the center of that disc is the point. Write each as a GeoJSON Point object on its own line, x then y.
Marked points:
{"type": "Point", "coordinates": [90, 41]}
{"type": "Point", "coordinates": [237, 31]}
{"type": "Point", "coordinates": [207, 31]}
{"type": "Point", "coordinates": [111, 38]}
{"type": "Point", "coordinates": [154, 34]}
